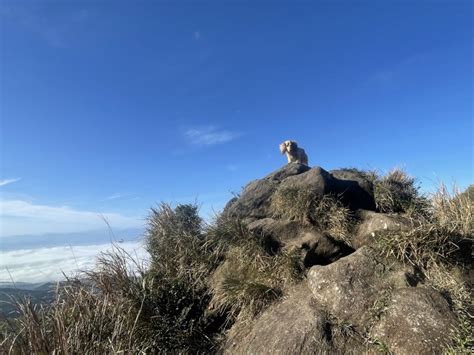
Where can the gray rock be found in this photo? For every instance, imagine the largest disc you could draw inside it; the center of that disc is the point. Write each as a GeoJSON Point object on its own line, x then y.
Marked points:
{"type": "Point", "coordinates": [372, 222]}
{"type": "Point", "coordinates": [316, 179]}
{"type": "Point", "coordinates": [316, 248]}
{"type": "Point", "coordinates": [292, 326]}
{"type": "Point", "coordinates": [287, 171]}
{"type": "Point", "coordinates": [417, 321]}
{"type": "Point", "coordinates": [280, 230]}
{"type": "Point", "coordinates": [254, 202]}
{"type": "Point", "coordinates": [355, 189]}
{"type": "Point", "coordinates": [350, 286]}
{"type": "Point", "coordinates": [367, 293]}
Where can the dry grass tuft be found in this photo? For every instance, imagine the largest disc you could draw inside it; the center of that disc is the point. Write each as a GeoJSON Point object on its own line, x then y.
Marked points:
{"type": "Point", "coordinates": [396, 193]}
{"type": "Point", "coordinates": [454, 212]}
{"type": "Point", "coordinates": [305, 205]}
{"type": "Point", "coordinates": [295, 204]}
{"type": "Point", "coordinates": [333, 217]}
{"type": "Point", "coordinates": [250, 279]}
{"type": "Point", "coordinates": [178, 246]}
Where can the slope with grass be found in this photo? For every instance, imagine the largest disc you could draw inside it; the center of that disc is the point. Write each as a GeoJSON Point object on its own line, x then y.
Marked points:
{"type": "Point", "coordinates": [303, 261]}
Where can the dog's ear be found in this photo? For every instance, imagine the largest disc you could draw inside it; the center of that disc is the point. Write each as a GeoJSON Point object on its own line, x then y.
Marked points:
{"type": "Point", "coordinates": [283, 148]}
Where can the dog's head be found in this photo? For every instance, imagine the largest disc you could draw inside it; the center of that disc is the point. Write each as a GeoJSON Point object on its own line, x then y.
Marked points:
{"type": "Point", "coordinates": [288, 146]}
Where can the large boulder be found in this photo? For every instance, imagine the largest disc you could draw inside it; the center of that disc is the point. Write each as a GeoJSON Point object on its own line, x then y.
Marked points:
{"type": "Point", "coordinates": [293, 326]}
{"type": "Point", "coordinates": [354, 190]}
{"type": "Point", "coordinates": [417, 321]}
{"type": "Point", "coordinates": [373, 222]}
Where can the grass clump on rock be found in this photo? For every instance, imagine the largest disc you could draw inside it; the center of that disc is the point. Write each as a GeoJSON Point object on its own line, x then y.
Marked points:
{"type": "Point", "coordinates": [251, 277]}
{"type": "Point", "coordinates": [306, 206]}
{"type": "Point", "coordinates": [396, 192]}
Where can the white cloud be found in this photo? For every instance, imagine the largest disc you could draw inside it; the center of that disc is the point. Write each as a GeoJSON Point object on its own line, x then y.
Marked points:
{"type": "Point", "coordinates": [48, 264]}
{"type": "Point", "coordinates": [19, 217]}
{"type": "Point", "coordinates": [197, 35]}
{"type": "Point", "coordinates": [209, 136]}
{"type": "Point", "coordinates": [8, 181]}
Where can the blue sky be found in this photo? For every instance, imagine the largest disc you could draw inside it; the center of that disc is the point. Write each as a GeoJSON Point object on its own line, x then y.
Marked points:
{"type": "Point", "coordinates": [108, 107]}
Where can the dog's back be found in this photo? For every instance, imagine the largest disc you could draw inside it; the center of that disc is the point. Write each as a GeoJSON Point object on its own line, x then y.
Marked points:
{"type": "Point", "coordinates": [302, 157]}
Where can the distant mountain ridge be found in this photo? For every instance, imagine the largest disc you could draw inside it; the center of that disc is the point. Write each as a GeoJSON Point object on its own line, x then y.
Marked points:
{"type": "Point", "coordinates": [39, 293]}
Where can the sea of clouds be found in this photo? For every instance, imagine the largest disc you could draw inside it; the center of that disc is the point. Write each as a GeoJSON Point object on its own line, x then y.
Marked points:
{"type": "Point", "coordinates": [51, 264]}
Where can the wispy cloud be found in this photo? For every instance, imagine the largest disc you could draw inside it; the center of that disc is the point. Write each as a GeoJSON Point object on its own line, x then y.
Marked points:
{"type": "Point", "coordinates": [209, 136]}
{"type": "Point", "coordinates": [197, 35]}
{"type": "Point", "coordinates": [114, 197]}
{"type": "Point", "coordinates": [8, 181]}
{"type": "Point", "coordinates": [19, 217]}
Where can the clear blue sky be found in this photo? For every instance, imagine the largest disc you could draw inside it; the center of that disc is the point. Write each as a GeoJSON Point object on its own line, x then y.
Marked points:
{"type": "Point", "coordinates": [111, 106]}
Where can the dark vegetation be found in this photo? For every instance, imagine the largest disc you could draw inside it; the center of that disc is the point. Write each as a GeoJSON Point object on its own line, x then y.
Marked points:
{"type": "Point", "coordinates": [202, 278]}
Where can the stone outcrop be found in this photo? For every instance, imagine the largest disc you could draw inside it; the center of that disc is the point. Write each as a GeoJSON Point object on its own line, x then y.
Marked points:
{"type": "Point", "coordinates": [254, 201]}
{"type": "Point", "coordinates": [347, 289]}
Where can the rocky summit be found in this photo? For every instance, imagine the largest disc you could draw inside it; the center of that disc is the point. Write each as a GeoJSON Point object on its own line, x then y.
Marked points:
{"type": "Point", "coordinates": [352, 299]}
